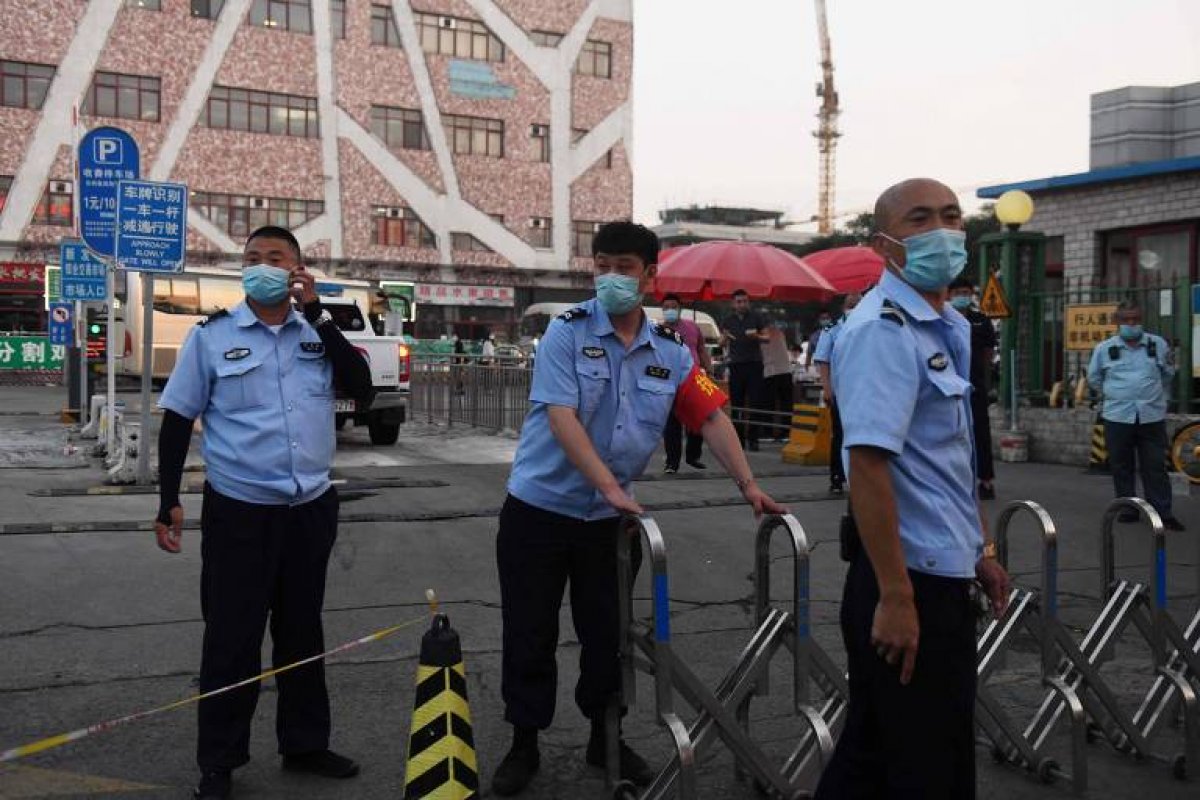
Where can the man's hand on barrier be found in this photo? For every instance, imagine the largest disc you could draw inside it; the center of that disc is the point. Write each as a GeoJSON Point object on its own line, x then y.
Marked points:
{"type": "Point", "coordinates": [170, 535]}
{"type": "Point", "coordinates": [895, 633]}
{"type": "Point", "coordinates": [994, 580]}
{"type": "Point", "coordinates": [760, 501]}
{"type": "Point", "coordinates": [621, 501]}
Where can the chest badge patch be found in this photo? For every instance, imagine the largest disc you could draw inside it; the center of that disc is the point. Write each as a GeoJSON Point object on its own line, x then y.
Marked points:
{"type": "Point", "coordinates": [594, 352]}
{"type": "Point", "coordinates": [938, 362]}
{"type": "Point", "coordinates": [237, 353]}
{"type": "Point", "coordinates": [658, 372]}
{"type": "Point", "coordinates": [312, 347]}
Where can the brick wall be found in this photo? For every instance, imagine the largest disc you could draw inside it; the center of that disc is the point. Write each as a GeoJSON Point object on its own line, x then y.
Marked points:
{"type": "Point", "coordinates": [1058, 435]}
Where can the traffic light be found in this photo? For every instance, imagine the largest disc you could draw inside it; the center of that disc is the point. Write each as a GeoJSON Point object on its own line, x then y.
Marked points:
{"type": "Point", "coordinates": [97, 334]}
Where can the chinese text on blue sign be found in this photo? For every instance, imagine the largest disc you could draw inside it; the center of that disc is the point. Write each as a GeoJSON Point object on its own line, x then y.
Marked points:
{"type": "Point", "coordinates": [151, 226]}
{"type": "Point", "coordinates": [83, 275]}
{"type": "Point", "coordinates": [62, 327]}
{"type": "Point", "coordinates": [106, 157]}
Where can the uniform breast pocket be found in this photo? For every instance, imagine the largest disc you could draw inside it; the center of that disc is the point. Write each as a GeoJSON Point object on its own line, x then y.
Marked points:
{"type": "Point", "coordinates": [314, 375]}
{"type": "Point", "coordinates": [944, 416]}
{"type": "Point", "coordinates": [594, 379]}
{"type": "Point", "coordinates": [654, 400]}
{"type": "Point", "coordinates": [241, 384]}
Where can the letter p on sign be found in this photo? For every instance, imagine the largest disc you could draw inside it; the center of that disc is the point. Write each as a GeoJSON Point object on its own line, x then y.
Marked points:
{"type": "Point", "coordinates": [109, 151]}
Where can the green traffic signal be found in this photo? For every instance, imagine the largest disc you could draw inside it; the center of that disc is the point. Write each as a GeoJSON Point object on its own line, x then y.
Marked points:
{"type": "Point", "coordinates": [94, 328]}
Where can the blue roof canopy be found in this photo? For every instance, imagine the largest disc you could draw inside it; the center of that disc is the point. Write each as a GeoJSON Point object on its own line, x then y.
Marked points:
{"type": "Point", "coordinates": [1107, 175]}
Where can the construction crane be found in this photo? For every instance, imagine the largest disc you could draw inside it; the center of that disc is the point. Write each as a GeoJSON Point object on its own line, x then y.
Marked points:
{"type": "Point", "coordinates": [827, 131]}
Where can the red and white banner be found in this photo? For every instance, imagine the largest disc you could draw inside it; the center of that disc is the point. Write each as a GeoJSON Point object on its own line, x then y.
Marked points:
{"type": "Point", "coordinates": [450, 294]}
{"type": "Point", "coordinates": [16, 272]}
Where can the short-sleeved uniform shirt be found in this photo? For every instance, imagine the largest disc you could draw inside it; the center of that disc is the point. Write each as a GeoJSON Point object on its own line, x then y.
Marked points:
{"type": "Point", "coordinates": [824, 351]}
{"type": "Point", "coordinates": [901, 375]}
{"type": "Point", "coordinates": [621, 397]}
{"type": "Point", "coordinates": [1134, 379]}
{"type": "Point", "coordinates": [745, 347]}
{"type": "Point", "coordinates": [266, 401]}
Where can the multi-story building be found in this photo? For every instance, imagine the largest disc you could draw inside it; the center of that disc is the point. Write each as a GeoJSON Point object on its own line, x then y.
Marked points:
{"type": "Point", "coordinates": [459, 143]}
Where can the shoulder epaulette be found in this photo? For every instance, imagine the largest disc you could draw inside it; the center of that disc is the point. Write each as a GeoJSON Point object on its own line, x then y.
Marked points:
{"type": "Point", "coordinates": [889, 312]}
{"type": "Point", "coordinates": [667, 333]}
{"type": "Point", "coordinates": [211, 317]}
{"type": "Point", "coordinates": [574, 313]}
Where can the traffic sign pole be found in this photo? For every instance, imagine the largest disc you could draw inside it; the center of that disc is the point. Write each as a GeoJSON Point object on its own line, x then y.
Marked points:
{"type": "Point", "coordinates": [85, 397]}
{"type": "Point", "coordinates": [110, 363]}
{"type": "Point", "coordinates": [143, 455]}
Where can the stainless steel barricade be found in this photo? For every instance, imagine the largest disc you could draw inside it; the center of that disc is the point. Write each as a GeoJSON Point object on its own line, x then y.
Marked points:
{"type": "Point", "coordinates": [723, 712]}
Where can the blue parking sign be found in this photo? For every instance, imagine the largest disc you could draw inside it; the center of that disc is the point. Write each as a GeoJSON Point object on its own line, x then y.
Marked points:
{"type": "Point", "coordinates": [151, 226]}
{"type": "Point", "coordinates": [106, 156]}
{"type": "Point", "coordinates": [83, 275]}
{"type": "Point", "coordinates": [62, 326]}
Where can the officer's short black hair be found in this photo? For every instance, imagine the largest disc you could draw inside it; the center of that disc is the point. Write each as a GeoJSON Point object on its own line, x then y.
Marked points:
{"type": "Point", "coordinates": [961, 282]}
{"type": "Point", "coordinates": [740, 293]}
{"type": "Point", "coordinates": [276, 232]}
{"type": "Point", "coordinates": [624, 237]}
{"type": "Point", "coordinates": [671, 296]}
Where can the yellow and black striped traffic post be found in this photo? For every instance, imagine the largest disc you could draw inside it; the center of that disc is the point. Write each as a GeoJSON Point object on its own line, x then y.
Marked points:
{"type": "Point", "coordinates": [1098, 458]}
{"type": "Point", "coordinates": [441, 749]}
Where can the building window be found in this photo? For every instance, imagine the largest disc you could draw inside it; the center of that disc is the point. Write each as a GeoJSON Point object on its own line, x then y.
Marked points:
{"type": "Point", "coordinates": [285, 15]}
{"type": "Point", "coordinates": [458, 37]}
{"type": "Point", "coordinates": [262, 112]}
{"type": "Point", "coordinates": [545, 38]}
{"type": "Point", "coordinates": [207, 9]}
{"type": "Point", "coordinates": [337, 19]}
{"type": "Point", "coordinates": [465, 242]}
{"type": "Point", "coordinates": [475, 135]}
{"type": "Point", "coordinates": [5, 185]}
{"type": "Point", "coordinates": [400, 227]}
{"type": "Point", "coordinates": [399, 127]}
{"type": "Point", "coordinates": [582, 234]}
{"type": "Point", "coordinates": [383, 27]}
{"type": "Point", "coordinates": [579, 133]}
{"type": "Point", "coordinates": [55, 206]}
{"type": "Point", "coordinates": [124, 96]}
{"type": "Point", "coordinates": [24, 85]}
{"type": "Point", "coordinates": [541, 141]}
{"type": "Point", "coordinates": [540, 234]}
{"type": "Point", "coordinates": [595, 59]}
{"type": "Point", "coordinates": [238, 215]}
{"type": "Point", "coordinates": [150, 5]}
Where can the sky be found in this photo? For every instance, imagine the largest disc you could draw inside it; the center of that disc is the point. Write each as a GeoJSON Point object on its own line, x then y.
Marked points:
{"type": "Point", "coordinates": [970, 92]}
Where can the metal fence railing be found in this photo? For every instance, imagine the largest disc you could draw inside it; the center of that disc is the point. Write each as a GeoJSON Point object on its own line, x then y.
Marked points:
{"type": "Point", "coordinates": [471, 390]}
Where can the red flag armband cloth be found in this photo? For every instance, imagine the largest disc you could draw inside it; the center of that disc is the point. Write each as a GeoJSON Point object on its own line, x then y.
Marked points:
{"type": "Point", "coordinates": [696, 399]}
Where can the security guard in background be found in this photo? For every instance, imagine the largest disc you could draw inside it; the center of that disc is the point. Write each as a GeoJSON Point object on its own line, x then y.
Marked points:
{"type": "Point", "coordinates": [262, 377]}
{"type": "Point", "coordinates": [604, 382]}
{"type": "Point", "coordinates": [983, 351]}
{"type": "Point", "coordinates": [822, 357]}
{"type": "Point", "coordinates": [1134, 370]}
{"type": "Point", "coordinates": [917, 537]}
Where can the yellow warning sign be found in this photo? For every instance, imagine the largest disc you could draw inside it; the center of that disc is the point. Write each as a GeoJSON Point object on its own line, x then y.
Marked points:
{"type": "Point", "coordinates": [994, 303]}
{"type": "Point", "coordinates": [1088, 325]}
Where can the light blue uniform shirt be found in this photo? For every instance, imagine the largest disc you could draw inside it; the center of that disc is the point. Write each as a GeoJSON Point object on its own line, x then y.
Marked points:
{"type": "Point", "coordinates": [622, 398]}
{"type": "Point", "coordinates": [901, 373]}
{"type": "Point", "coordinates": [1135, 383]}
{"type": "Point", "coordinates": [266, 400]}
{"type": "Point", "coordinates": [824, 351]}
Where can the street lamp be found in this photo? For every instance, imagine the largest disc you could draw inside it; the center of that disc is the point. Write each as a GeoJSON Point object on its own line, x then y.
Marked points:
{"type": "Point", "coordinates": [1014, 208]}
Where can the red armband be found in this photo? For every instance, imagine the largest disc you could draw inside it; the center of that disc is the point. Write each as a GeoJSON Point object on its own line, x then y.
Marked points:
{"type": "Point", "coordinates": [696, 399]}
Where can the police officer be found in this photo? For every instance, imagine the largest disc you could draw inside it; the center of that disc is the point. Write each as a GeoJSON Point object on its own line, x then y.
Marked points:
{"type": "Point", "coordinates": [900, 373]}
{"type": "Point", "coordinates": [1134, 370]}
{"type": "Point", "coordinates": [822, 357]}
{"type": "Point", "coordinates": [744, 332]}
{"type": "Point", "coordinates": [983, 351]}
{"type": "Point", "coordinates": [605, 381]}
{"type": "Point", "coordinates": [261, 375]}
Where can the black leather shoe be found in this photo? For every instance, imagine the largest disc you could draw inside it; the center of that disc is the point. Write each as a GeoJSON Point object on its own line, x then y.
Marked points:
{"type": "Point", "coordinates": [516, 770]}
{"type": "Point", "coordinates": [633, 767]}
{"type": "Point", "coordinates": [214, 785]}
{"type": "Point", "coordinates": [987, 491]}
{"type": "Point", "coordinates": [1173, 524]}
{"type": "Point", "coordinates": [697, 464]}
{"type": "Point", "coordinates": [325, 763]}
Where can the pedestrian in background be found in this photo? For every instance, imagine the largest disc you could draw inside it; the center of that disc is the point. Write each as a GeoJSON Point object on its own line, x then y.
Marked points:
{"type": "Point", "coordinates": [983, 352]}
{"type": "Point", "coordinates": [673, 436]}
{"type": "Point", "coordinates": [823, 357]}
{"type": "Point", "coordinates": [605, 382]}
{"type": "Point", "coordinates": [743, 332]}
{"type": "Point", "coordinates": [824, 323]}
{"type": "Point", "coordinates": [917, 539]}
{"type": "Point", "coordinates": [777, 381]}
{"type": "Point", "coordinates": [1133, 370]}
{"type": "Point", "coordinates": [261, 375]}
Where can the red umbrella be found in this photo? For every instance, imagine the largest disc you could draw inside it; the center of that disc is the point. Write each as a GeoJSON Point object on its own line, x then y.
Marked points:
{"type": "Point", "coordinates": [713, 270]}
{"type": "Point", "coordinates": [847, 269]}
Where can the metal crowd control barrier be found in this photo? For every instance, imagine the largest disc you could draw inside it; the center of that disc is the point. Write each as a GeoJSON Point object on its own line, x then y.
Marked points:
{"type": "Point", "coordinates": [1035, 612]}
{"type": "Point", "coordinates": [722, 712]}
{"type": "Point", "coordinates": [1127, 602]}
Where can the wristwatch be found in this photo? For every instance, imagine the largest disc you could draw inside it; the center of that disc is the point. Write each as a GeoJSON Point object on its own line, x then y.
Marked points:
{"type": "Point", "coordinates": [989, 549]}
{"type": "Point", "coordinates": [323, 318]}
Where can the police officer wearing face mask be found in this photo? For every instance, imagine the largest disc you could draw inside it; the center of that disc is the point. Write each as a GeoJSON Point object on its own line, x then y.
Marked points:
{"type": "Point", "coordinates": [261, 375]}
{"type": "Point", "coordinates": [983, 349]}
{"type": "Point", "coordinates": [822, 357]}
{"type": "Point", "coordinates": [1134, 370]}
{"type": "Point", "coordinates": [917, 540]}
{"type": "Point", "coordinates": [605, 380]}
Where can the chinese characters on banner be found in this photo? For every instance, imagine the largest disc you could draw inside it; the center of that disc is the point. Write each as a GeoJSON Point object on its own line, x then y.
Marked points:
{"type": "Point", "coordinates": [1089, 325]}
{"type": "Point", "coordinates": [15, 272]}
{"type": "Point", "coordinates": [438, 294]}
{"type": "Point", "coordinates": [30, 352]}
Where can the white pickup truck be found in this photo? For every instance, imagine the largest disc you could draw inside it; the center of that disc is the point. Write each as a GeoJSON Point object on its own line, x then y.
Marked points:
{"type": "Point", "coordinates": [389, 360]}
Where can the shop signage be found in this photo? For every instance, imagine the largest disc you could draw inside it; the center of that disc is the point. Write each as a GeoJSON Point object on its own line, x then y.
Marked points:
{"type": "Point", "coordinates": [1089, 325]}
{"type": "Point", "coordinates": [447, 294]}
{"type": "Point", "coordinates": [16, 272]}
{"type": "Point", "coordinates": [30, 352]}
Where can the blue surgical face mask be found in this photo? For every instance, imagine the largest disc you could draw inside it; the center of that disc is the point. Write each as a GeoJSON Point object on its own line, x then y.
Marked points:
{"type": "Point", "coordinates": [1131, 333]}
{"type": "Point", "coordinates": [671, 315]}
{"type": "Point", "coordinates": [618, 294]}
{"type": "Point", "coordinates": [962, 302]}
{"type": "Point", "coordinates": [932, 259]}
{"type": "Point", "coordinates": [265, 284]}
